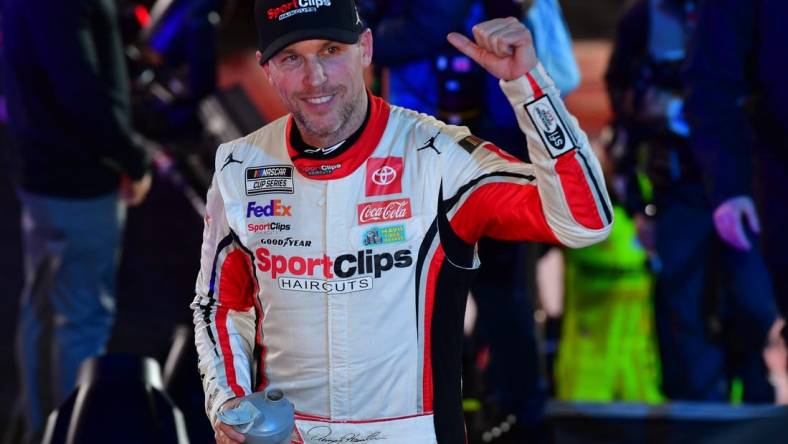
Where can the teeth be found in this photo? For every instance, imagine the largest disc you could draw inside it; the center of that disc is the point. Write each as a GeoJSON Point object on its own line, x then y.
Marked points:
{"type": "Point", "coordinates": [319, 100]}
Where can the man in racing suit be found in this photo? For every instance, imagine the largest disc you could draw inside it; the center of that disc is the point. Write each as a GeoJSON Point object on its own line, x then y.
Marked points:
{"type": "Point", "coordinates": [339, 240]}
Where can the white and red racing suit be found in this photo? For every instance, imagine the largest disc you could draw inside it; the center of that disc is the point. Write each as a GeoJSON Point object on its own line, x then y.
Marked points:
{"type": "Point", "coordinates": [343, 281]}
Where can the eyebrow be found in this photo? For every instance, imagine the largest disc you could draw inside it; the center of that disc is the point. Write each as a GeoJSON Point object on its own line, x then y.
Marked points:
{"type": "Point", "coordinates": [288, 51]}
{"type": "Point", "coordinates": [330, 43]}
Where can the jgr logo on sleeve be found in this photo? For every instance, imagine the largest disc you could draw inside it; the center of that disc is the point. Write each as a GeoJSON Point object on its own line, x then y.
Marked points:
{"type": "Point", "coordinates": [269, 179]}
{"type": "Point", "coordinates": [551, 128]}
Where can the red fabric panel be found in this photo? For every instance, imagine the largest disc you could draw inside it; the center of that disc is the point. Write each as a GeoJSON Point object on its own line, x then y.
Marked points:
{"type": "Point", "coordinates": [227, 351]}
{"type": "Point", "coordinates": [235, 292]}
{"type": "Point", "coordinates": [236, 285]}
{"type": "Point", "coordinates": [429, 305]}
{"type": "Point", "coordinates": [534, 86]}
{"type": "Point", "coordinates": [259, 338]}
{"type": "Point", "coordinates": [577, 191]}
{"type": "Point", "coordinates": [505, 211]}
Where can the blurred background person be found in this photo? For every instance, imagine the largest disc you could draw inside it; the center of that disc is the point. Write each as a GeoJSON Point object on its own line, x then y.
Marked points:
{"type": "Point", "coordinates": [69, 114]}
{"type": "Point", "coordinates": [608, 347]}
{"type": "Point", "coordinates": [714, 304]}
{"type": "Point", "coordinates": [738, 111]}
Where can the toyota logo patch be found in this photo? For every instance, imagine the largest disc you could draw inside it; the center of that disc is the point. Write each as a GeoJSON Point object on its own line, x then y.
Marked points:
{"type": "Point", "coordinates": [384, 176]}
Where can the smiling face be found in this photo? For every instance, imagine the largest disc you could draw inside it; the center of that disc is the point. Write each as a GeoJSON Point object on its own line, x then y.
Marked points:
{"type": "Point", "coordinates": [321, 83]}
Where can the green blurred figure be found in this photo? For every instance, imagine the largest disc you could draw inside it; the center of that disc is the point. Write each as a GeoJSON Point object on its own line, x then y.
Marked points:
{"type": "Point", "coordinates": [608, 348]}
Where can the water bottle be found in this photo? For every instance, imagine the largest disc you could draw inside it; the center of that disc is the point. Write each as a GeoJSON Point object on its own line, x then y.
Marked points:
{"type": "Point", "coordinates": [263, 417]}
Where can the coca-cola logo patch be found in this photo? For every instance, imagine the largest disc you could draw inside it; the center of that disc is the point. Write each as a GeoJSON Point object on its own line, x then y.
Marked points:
{"type": "Point", "coordinates": [384, 176]}
{"type": "Point", "coordinates": [385, 211]}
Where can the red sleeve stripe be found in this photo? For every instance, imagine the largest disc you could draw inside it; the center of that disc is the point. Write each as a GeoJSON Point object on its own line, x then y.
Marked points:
{"type": "Point", "coordinates": [207, 309]}
{"type": "Point", "coordinates": [236, 285]}
{"type": "Point", "coordinates": [259, 339]}
{"type": "Point", "coordinates": [227, 351]}
{"type": "Point", "coordinates": [578, 194]}
{"type": "Point", "coordinates": [509, 211]}
{"type": "Point", "coordinates": [235, 292]}
{"type": "Point", "coordinates": [432, 282]}
{"type": "Point", "coordinates": [594, 184]}
{"type": "Point", "coordinates": [534, 86]}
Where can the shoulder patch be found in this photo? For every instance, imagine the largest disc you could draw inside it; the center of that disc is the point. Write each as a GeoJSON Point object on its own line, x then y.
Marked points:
{"type": "Point", "coordinates": [554, 133]}
{"type": "Point", "coordinates": [470, 143]}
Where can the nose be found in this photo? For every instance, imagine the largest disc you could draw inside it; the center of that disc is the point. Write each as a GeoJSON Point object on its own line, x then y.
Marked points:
{"type": "Point", "coordinates": [315, 74]}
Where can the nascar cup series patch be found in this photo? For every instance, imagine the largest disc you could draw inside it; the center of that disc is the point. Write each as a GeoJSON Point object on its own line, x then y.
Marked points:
{"type": "Point", "coordinates": [550, 126]}
{"type": "Point", "coordinates": [269, 179]}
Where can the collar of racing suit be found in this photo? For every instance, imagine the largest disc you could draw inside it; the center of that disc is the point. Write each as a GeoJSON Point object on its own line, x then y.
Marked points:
{"type": "Point", "coordinates": [311, 152]}
{"type": "Point", "coordinates": [345, 159]}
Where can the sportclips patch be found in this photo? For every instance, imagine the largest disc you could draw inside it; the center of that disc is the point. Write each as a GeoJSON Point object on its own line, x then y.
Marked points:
{"type": "Point", "coordinates": [269, 179]}
{"type": "Point", "coordinates": [551, 128]}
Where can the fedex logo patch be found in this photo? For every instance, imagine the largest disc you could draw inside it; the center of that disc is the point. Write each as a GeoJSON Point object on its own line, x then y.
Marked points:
{"type": "Point", "coordinates": [384, 176]}
{"type": "Point", "coordinates": [273, 209]}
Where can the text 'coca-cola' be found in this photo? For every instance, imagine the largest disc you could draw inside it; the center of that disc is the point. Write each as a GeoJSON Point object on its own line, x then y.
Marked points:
{"type": "Point", "coordinates": [384, 211]}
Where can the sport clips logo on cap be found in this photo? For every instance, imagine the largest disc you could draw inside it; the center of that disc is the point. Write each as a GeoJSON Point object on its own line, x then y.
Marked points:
{"type": "Point", "coordinates": [283, 22]}
{"type": "Point", "coordinates": [294, 7]}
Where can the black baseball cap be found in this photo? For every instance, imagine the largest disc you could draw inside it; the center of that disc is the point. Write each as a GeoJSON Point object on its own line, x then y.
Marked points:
{"type": "Point", "coordinates": [283, 22]}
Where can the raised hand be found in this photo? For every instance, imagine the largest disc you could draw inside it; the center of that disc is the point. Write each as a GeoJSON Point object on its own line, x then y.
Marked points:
{"type": "Point", "coordinates": [504, 47]}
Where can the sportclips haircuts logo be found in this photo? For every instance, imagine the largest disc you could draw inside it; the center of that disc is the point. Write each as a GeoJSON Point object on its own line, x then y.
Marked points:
{"type": "Point", "coordinates": [318, 274]}
{"type": "Point", "coordinates": [294, 7]}
{"type": "Point", "coordinates": [321, 170]}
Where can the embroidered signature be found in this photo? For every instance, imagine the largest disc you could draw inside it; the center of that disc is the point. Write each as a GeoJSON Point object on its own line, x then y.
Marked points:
{"type": "Point", "coordinates": [323, 434]}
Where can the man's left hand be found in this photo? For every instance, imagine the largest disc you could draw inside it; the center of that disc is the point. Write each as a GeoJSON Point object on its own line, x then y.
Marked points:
{"type": "Point", "coordinates": [503, 47]}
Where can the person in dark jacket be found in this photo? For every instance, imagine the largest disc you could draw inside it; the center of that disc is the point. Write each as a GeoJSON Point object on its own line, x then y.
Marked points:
{"type": "Point", "coordinates": [705, 289]}
{"type": "Point", "coordinates": [737, 107]}
{"type": "Point", "coordinates": [69, 115]}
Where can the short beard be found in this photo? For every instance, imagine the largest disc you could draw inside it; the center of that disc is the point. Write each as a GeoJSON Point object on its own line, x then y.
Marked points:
{"type": "Point", "coordinates": [345, 115]}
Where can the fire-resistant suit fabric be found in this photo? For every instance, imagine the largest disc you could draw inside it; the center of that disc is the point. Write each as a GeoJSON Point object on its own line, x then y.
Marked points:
{"type": "Point", "coordinates": [343, 281]}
